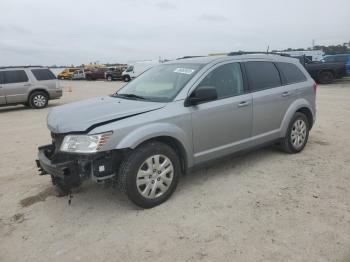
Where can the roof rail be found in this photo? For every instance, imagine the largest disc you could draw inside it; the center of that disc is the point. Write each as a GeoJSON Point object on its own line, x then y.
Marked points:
{"type": "Point", "coordinates": [28, 66]}
{"type": "Point", "coordinates": [253, 53]}
{"type": "Point", "coordinates": [189, 56]}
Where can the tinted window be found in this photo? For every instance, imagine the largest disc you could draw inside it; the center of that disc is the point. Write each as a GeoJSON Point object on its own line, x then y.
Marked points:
{"type": "Point", "coordinates": [262, 75]}
{"type": "Point", "coordinates": [227, 79]}
{"type": "Point", "coordinates": [14, 76]}
{"type": "Point", "coordinates": [43, 74]}
{"type": "Point", "coordinates": [291, 73]}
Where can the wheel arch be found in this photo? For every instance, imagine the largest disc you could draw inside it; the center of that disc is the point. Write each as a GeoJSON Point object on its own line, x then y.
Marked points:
{"type": "Point", "coordinates": [39, 89]}
{"type": "Point", "coordinates": [326, 70]}
{"type": "Point", "coordinates": [175, 145]}
{"type": "Point", "coordinates": [307, 112]}
{"type": "Point", "coordinates": [301, 105]}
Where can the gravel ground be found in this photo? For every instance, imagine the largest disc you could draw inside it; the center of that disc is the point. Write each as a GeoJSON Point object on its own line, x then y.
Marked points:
{"type": "Point", "coordinates": [261, 206]}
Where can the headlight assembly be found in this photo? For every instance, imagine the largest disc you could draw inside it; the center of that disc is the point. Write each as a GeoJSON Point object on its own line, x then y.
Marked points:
{"type": "Point", "coordinates": [84, 143]}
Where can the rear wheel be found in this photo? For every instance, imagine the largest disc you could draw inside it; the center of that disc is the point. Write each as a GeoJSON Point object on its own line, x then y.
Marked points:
{"type": "Point", "coordinates": [149, 175]}
{"type": "Point", "coordinates": [38, 100]}
{"type": "Point", "coordinates": [109, 78]}
{"type": "Point", "coordinates": [326, 77]}
{"type": "Point", "coordinates": [297, 134]}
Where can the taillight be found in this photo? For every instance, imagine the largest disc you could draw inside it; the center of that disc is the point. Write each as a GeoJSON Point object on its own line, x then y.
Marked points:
{"type": "Point", "coordinates": [315, 87]}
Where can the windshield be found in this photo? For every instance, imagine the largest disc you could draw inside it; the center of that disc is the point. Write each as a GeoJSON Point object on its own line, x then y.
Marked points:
{"type": "Point", "coordinates": [160, 83]}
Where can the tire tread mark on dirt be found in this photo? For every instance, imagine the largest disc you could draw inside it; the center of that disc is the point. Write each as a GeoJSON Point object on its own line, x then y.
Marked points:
{"type": "Point", "coordinates": [41, 196]}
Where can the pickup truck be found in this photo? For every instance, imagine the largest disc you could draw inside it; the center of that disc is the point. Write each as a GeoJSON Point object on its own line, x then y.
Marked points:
{"type": "Point", "coordinates": [323, 72]}
{"type": "Point", "coordinates": [114, 73]}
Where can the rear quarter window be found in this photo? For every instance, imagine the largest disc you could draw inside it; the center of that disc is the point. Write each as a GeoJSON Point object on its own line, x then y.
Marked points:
{"type": "Point", "coordinates": [291, 73]}
{"type": "Point", "coordinates": [14, 76]}
{"type": "Point", "coordinates": [262, 75]}
{"type": "Point", "coordinates": [43, 74]}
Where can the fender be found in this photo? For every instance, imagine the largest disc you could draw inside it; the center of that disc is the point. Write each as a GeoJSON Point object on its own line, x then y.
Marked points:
{"type": "Point", "coordinates": [295, 106]}
{"type": "Point", "coordinates": [153, 130]}
{"type": "Point", "coordinates": [37, 88]}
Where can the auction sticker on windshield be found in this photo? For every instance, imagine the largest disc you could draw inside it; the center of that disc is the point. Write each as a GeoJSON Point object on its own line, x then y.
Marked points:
{"type": "Point", "coordinates": [186, 71]}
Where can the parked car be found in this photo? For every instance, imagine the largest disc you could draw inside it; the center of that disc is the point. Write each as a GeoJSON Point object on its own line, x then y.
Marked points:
{"type": "Point", "coordinates": [98, 73]}
{"type": "Point", "coordinates": [177, 116]}
{"type": "Point", "coordinates": [339, 58]}
{"type": "Point", "coordinates": [114, 73]}
{"type": "Point", "coordinates": [78, 75]}
{"type": "Point", "coordinates": [137, 69]}
{"type": "Point", "coordinates": [323, 72]}
{"type": "Point", "coordinates": [67, 73]}
{"type": "Point", "coordinates": [31, 86]}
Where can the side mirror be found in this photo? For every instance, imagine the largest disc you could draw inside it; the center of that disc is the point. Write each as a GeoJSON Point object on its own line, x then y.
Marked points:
{"type": "Point", "coordinates": [202, 94]}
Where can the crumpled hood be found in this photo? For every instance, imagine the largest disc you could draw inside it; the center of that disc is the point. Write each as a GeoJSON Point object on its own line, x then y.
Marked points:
{"type": "Point", "coordinates": [80, 116]}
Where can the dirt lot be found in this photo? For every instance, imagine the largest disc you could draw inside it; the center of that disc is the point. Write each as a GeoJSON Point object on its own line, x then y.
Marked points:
{"type": "Point", "coordinates": [263, 206]}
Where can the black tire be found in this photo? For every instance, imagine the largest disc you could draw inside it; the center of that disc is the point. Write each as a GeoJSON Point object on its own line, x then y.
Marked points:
{"type": "Point", "coordinates": [40, 96]}
{"type": "Point", "coordinates": [133, 162]}
{"type": "Point", "coordinates": [109, 78]}
{"type": "Point", "coordinates": [126, 78]}
{"type": "Point", "coordinates": [326, 77]}
{"type": "Point", "coordinates": [287, 143]}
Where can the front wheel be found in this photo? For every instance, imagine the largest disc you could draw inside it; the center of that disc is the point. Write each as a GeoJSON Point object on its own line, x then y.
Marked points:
{"type": "Point", "coordinates": [297, 134]}
{"type": "Point", "coordinates": [149, 175]}
{"type": "Point", "coordinates": [126, 78]}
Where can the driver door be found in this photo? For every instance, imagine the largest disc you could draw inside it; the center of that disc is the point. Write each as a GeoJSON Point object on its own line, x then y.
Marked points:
{"type": "Point", "coordinates": [224, 125]}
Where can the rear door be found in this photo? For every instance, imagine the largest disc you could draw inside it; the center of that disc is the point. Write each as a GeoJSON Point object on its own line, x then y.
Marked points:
{"type": "Point", "coordinates": [15, 85]}
{"type": "Point", "coordinates": [2, 93]}
{"type": "Point", "coordinates": [270, 99]}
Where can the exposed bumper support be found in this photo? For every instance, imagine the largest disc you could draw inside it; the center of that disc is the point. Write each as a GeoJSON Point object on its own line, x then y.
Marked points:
{"type": "Point", "coordinates": [46, 166]}
{"type": "Point", "coordinates": [69, 170]}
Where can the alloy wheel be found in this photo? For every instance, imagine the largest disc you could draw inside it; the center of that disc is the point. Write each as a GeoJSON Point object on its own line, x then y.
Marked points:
{"type": "Point", "coordinates": [298, 133]}
{"type": "Point", "coordinates": [39, 100]}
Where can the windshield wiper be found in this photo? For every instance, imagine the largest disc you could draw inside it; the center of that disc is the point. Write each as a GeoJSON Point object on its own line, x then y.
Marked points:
{"type": "Point", "coordinates": [130, 96]}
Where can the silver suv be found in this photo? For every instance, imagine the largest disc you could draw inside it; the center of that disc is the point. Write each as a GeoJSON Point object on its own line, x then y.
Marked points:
{"type": "Point", "coordinates": [177, 116]}
{"type": "Point", "coordinates": [31, 86]}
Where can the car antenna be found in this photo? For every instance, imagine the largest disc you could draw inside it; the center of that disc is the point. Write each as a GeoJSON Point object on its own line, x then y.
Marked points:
{"type": "Point", "coordinates": [267, 51]}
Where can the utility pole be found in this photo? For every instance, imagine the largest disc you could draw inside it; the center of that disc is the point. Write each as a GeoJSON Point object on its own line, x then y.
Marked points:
{"type": "Point", "coordinates": [313, 43]}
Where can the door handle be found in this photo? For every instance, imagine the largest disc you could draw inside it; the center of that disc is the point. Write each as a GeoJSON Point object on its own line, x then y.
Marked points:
{"type": "Point", "coordinates": [284, 94]}
{"type": "Point", "coordinates": [27, 85]}
{"type": "Point", "coordinates": [243, 103]}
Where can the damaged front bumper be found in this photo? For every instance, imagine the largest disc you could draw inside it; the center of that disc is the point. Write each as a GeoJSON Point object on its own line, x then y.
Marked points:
{"type": "Point", "coordinates": [69, 170]}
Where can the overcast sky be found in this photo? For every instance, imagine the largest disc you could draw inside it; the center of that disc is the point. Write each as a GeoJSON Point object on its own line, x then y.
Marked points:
{"type": "Point", "coordinates": [51, 32]}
